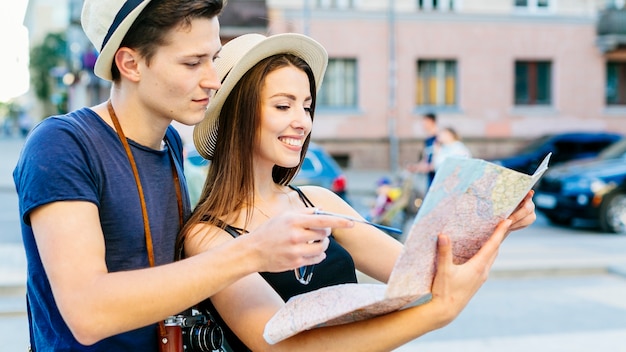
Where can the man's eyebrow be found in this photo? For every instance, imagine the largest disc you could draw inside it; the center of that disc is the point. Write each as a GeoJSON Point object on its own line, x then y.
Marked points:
{"type": "Point", "coordinates": [201, 55]}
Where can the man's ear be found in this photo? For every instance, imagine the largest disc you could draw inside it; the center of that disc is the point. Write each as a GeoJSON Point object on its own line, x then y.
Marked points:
{"type": "Point", "coordinates": [127, 61]}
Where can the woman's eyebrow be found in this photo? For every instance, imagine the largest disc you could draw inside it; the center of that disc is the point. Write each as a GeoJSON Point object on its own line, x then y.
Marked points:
{"type": "Point", "coordinates": [290, 96]}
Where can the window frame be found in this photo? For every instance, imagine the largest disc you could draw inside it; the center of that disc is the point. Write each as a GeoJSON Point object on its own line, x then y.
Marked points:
{"type": "Point", "coordinates": [436, 5]}
{"type": "Point", "coordinates": [336, 4]}
{"type": "Point", "coordinates": [347, 83]}
{"type": "Point", "coordinates": [533, 85]}
{"type": "Point", "coordinates": [446, 96]}
{"type": "Point", "coordinates": [620, 94]}
{"type": "Point", "coordinates": [533, 5]}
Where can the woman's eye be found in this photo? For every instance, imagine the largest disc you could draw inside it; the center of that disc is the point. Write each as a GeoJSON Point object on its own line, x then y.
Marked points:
{"type": "Point", "coordinates": [282, 107]}
{"type": "Point", "coordinates": [308, 109]}
{"type": "Point", "coordinates": [192, 64]}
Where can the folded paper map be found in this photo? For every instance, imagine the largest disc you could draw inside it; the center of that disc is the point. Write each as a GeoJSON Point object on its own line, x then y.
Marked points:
{"type": "Point", "coordinates": [466, 201]}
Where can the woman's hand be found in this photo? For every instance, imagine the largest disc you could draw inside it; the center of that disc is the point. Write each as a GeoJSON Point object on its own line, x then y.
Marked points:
{"type": "Point", "coordinates": [454, 285]}
{"type": "Point", "coordinates": [524, 215]}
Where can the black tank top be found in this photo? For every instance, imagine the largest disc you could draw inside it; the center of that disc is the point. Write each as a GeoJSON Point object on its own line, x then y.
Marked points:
{"type": "Point", "coordinates": [337, 268]}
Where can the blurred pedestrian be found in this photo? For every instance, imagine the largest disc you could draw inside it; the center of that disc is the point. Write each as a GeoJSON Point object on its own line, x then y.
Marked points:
{"type": "Point", "coordinates": [425, 162]}
{"type": "Point", "coordinates": [25, 123]}
{"type": "Point", "coordinates": [448, 144]}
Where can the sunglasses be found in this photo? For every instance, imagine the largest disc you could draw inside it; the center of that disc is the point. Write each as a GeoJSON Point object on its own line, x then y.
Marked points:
{"type": "Point", "coordinates": [305, 273]}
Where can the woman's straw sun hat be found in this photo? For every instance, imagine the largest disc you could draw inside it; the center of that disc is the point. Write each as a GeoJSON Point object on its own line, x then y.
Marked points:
{"type": "Point", "coordinates": [237, 57]}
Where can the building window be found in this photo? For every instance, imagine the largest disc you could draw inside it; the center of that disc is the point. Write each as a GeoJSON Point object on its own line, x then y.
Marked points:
{"type": "Point", "coordinates": [532, 4]}
{"type": "Point", "coordinates": [335, 4]}
{"type": "Point", "coordinates": [339, 88]}
{"type": "Point", "coordinates": [618, 4]}
{"type": "Point", "coordinates": [533, 82]}
{"type": "Point", "coordinates": [441, 5]}
{"type": "Point", "coordinates": [437, 83]}
{"type": "Point", "coordinates": [615, 83]}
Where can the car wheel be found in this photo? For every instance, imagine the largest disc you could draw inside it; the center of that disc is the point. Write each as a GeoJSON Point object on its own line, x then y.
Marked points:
{"type": "Point", "coordinates": [613, 213]}
{"type": "Point", "coordinates": [558, 220]}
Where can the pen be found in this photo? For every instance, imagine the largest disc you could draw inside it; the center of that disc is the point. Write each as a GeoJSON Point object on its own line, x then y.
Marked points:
{"type": "Point", "coordinates": [382, 227]}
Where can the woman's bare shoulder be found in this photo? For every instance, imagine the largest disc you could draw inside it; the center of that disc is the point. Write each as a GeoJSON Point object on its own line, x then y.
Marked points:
{"type": "Point", "coordinates": [324, 198]}
{"type": "Point", "coordinates": [317, 193]}
{"type": "Point", "coordinates": [204, 236]}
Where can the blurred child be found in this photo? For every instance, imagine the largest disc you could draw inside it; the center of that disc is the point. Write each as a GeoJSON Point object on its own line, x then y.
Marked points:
{"type": "Point", "coordinates": [386, 194]}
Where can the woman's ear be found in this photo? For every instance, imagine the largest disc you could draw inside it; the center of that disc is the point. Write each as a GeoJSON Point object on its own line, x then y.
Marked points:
{"type": "Point", "coordinates": [127, 61]}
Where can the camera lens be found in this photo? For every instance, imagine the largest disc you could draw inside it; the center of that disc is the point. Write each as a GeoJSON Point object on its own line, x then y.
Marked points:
{"type": "Point", "coordinates": [203, 338]}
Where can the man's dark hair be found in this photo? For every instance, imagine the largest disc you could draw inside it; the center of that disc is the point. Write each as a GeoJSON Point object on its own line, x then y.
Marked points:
{"type": "Point", "coordinates": [158, 18]}
{"type": "Point", "coordinates": [431, 116]}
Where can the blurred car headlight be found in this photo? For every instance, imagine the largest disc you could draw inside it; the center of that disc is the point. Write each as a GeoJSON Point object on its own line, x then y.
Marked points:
{"type": "Point", "coordinates": [595, 186]}
{"type": "Point", "coordinates": [599, 186]}
{"type": "Point", "coordinates": [578, 185]}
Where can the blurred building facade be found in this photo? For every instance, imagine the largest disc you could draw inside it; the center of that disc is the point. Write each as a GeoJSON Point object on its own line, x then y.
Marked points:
{"type": "Point", "coordinates": [498, 71]}
{"type": "Point", "coordinates": [41, 18]}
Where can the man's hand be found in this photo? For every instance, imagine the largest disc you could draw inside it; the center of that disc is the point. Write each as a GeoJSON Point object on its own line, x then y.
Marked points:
{"type": "Point", "coordinates": [295, 239]}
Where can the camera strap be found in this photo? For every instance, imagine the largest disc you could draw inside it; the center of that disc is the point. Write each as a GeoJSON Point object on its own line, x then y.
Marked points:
{"type": "Point", "coordinates": [144, 208]}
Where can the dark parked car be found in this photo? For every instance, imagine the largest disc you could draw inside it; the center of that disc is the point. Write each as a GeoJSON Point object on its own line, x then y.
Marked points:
{"type": "Point", "coordinates": [592, 189]}
{"type": "Point", "coordinates": [318, 168]}
{"type": "Point", "coordinates": [564, 147]}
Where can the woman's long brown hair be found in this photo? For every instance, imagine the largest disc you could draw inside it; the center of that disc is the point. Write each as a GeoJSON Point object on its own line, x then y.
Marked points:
{"type": "Point", "coordinates": [229, 186]}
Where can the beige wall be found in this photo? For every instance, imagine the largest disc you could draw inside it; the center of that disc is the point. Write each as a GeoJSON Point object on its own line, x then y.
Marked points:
{"type": "Point", "coordinates": [486, 37]}
{"type": "Point", "coordinates": [561, 7]}
{"type": "Point", "coordinates": [45, 16]}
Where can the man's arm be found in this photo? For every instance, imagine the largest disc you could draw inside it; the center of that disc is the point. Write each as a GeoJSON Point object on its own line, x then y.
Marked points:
{"type": "Point", "coordinates": [71, 246]}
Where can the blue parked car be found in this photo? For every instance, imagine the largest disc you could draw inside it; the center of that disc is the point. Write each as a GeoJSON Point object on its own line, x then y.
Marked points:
{"type": "Point", "coordinates": [318, 168]}
{"type": "Point", "coordinates": [591, 189]}
{"type": "Point", "coordinates": [564, 147]}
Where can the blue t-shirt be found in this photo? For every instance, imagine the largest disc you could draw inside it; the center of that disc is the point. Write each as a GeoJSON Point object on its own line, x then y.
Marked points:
{"type": "Point", "coordinates": [79, 157]}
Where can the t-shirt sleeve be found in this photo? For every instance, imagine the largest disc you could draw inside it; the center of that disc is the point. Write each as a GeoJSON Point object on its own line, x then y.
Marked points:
{"type": "Point", "coordinates": [54, 166]}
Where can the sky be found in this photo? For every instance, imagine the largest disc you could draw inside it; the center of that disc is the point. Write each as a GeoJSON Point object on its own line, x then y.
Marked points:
{"type": "Point", "coordinates": [14, 76]}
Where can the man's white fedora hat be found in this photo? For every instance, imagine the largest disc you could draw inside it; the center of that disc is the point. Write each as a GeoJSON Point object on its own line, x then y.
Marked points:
{"type": "Point", "coordinates": [105, 23]}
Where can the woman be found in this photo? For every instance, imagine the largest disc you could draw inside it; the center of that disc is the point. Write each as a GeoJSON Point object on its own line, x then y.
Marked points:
{"type": "Point", "coordinates": [448, 144]}
{"type": "Point", "coordinates": [256, 132]}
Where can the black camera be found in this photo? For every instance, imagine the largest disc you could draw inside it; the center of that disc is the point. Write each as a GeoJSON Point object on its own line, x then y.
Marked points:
{"type": "Point", "coordinates": [199, 334]}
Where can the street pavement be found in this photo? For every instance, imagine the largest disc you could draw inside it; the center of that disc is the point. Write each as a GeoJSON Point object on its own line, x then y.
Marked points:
{"type": "Point", "coordinates": [539, 276]}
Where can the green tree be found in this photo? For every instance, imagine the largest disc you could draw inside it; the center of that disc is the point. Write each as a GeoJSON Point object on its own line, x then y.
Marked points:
{"type": "Point", "coordinates": [51, 53]}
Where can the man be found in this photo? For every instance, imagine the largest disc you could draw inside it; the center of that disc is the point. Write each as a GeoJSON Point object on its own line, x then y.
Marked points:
{"type": "Point", "coordinates": [425, 164]}
{"type": "Point", "coordinates": [99, 189]}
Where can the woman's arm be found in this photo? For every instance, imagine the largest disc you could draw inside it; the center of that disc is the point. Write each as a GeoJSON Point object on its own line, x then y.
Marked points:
{"type": "Point", "coordinates": [373, 251]}
{"type": "Point", "coordinates": [247, 305]}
